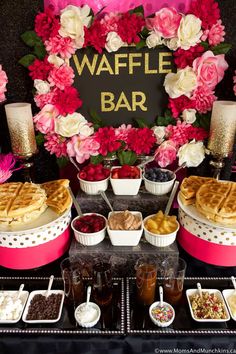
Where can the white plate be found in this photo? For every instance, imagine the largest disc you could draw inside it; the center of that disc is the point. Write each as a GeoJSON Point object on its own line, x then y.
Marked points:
{"type": "Point", "coordinates": [191, 292]}
{"type": "Point", "coordinates": [45, 219]}
{"type": "Point", "coordinates": [226, 294]}
{"type": "Point", "coordinates": [192, 211]}
{"type": "Point", "coordinates": [43, 292]}
{"type": "Point", "coordinates": [23, 297]}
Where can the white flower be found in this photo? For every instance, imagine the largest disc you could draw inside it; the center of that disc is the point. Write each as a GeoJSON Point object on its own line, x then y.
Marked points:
{"type": "Point", "coordinates": [172, 43]}
{"type": "Point", "coordinates": [153, 39]}
{"type": "Point", "coordinates": [189, 115]}
{"type": "Point", "coordinates": [73, 19]}
{"type": "Point", "coordinates": [192, 153]}
{"type": "Point", "coordinates": [55, 60]}
{"type": "Point", "coordinates": [181, 83]}
{"type": "Point", "coordinates": [189, 31]}
{"type": "Point", "coordinates": [113, 42]}
{"type": "Point", "coordinates": [41, 86]}
{"type": "Point", "coordinates": [159, 132]}
{"type": "Point", "coordinates": [72, 124]}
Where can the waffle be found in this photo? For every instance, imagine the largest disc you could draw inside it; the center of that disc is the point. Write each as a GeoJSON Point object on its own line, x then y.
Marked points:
{"type": "Point", "coordinates": [20, 202]}
{"type": "Point", "coordinates": [190, 186]}
{"type": "Point", "coordinates": [58, 196]}
{"type": "Point", "coordinates": [217, 201]}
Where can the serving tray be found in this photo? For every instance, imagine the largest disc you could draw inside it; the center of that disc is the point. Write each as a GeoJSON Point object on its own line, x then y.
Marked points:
{"type": "Point", "coordinates": [112, 319]}
{"type": "Point", "coordinates": [138, 321]}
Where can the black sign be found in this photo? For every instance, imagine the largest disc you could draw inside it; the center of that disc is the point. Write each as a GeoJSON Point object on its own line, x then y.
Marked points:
{"type": "Point", "coordinates": [123, 85]}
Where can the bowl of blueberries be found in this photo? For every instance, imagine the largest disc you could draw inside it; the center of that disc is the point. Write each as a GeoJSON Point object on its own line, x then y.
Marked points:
{"type": "Point", "coordinates": [158, 181]}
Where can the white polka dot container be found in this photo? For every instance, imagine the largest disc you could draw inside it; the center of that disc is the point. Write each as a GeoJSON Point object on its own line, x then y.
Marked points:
{"type": "Point", "coordinates": [207, 242]}
{"type": "Point", "coordinates": [37, 243]}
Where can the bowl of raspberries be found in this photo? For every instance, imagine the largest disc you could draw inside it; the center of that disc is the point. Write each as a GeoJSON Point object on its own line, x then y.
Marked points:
{"type": "Point", "coordinates": [158, 181]}
{"type": "Point", "coordinates": [125, 180]}
{"type": "Point", "coordinates": [89, 229]}
{"type": "Point", "coordinates": [94, 178]}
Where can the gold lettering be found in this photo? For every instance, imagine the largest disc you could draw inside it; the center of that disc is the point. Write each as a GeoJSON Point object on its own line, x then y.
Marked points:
{"type": "Point", "coordinates": [136, 103]}
{"type": "Point", "coordinates": [132, 63]}
{"type": "Point", "coordinates": [85, 62]}
{"type": "Point", "coordinates": [107, 104]}
{"type": "Point", "coordinates": [123, 103]}
{"type": "Point", "coordinates": [119, 65]}
{"type": "Point", "coordinates": [162, 62]}
{"type": "Point", "coordinates": [104, 65]}
{"type": "Point", "coordinates": [146, 65]}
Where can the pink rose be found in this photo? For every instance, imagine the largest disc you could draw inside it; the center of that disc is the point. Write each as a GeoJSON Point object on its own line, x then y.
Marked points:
{"type": "Point", "coordinates": [61, 77]}
{"type": "Point", "coordinates": [166, 153]}
{"type": "Point", "coordinates": [45, 119]}
{"type": "Point", "coordinates": [82, 148]}
{"type": "Point", "coordinates": [166, 22]}
{"type": "Point", "coordinates": [210, 68]}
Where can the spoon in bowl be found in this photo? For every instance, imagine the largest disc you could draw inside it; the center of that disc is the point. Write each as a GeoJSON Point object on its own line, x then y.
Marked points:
{"type": "Point", "coordinates": [234, 282]}
{"type": "Point", "coordinates": [171, 198]}
{"type": "Point", "coordinates": [199, 287]}
{"type": "Point", "coordinates": [104, 197]}
{"type": "Point", "coordinates": [49, 285]}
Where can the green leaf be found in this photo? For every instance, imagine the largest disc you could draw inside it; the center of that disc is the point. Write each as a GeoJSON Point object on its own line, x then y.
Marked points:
{"type": "Point", "coordinates": [144, 33]}
{"type": "Point", "coordinates": [127, 157]}
{"type": "Point", "coordinates": [203, 121]}
{"type": "Point", "coordinates": [62, 161]}
{"type": "Point", "coordinates": [205, 45]}
{"type": "Point", "coordinates": [40, 51]}
{"type": "Point", "coordinates": [221, 48]}
{"type": "Point", "coordinates": [141, 44]}
{"type": "Point", "coordinates": [141, 122]}
{"type": "Point", "coordinates": [137, 10]}
{"type": "Point", "coordinates": [164, 121]}
{"type": "Point", "coordinates": [96, 159]}
{"type": "Point", "coordinates": [27, 60]}
{"type": "Point", "coordinates": [30, 38]}
{"type": "Point", "coordinates": [96, 119]}
{"type": "Point", "coordinates": [39, 139]}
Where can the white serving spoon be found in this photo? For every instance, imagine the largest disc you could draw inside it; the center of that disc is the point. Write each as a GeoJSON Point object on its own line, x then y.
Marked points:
{"type": "Point", "coordinates": [74, 163]}
{"type": "Point", "coordinates": [234, 282]}
{"type": "Point", "coordinates": [18, 294]}
{"type": "Point", "coordinates": [104, 197]}
{"type": "Point", "coordinates": [75, 202]}
{"type": "Point", "coordinates": [161, 295]}
{"type": "Point", "coordinates": [199, 287]}
{"type": "Point", "coordinates": [89, 289]}
{"type": "Point", "coordinates": [49, 285]}
{"type": "Point", "coordinates": [171, 198]}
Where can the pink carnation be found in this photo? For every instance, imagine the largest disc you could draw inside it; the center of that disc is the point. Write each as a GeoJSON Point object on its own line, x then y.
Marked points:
{"type": "Point", "coordinates": [166, 153]}
{"type": "Point", "coordinates": [122, 132]}
{"type": "Point", "coordinates": [215, 34]}
{"type": "Point", "coordinates": [64, 46]}
{"type": "Point", "coordinates": [55, 144]}
{"type": "Point", "coordinates": [67, 101]}
{"type": "Point", "coordinates": [107, 139]}
{"type": "Point", "coordinates": [210, 68]}
{"type": "Point", "coordinates": [185, 58]}
{"type": "Point", "coordinates": [179, 133]}
{"type": "Point", "coordinates": [207, 10]}
{"type": "Point", "coordinates": [166, 22]}
{"type": "Point", "coordinates": [40, 69]}
{"type": "Point", "coordinates": [45, 119]}
{"type": "Point", "coordinates": [62, 76]}
{"type": "Point", "coordinates": [129, 26]}
{"type": "Point", "coordinates": [42, 99]}
{"type": "Point", "coordinates": [3, 82]}
{"type": "Point", "coordinates": [179, 104]}
{"type": "Point", "coordinates": [141, 140]}
{"type": "Point", "coordinates": [82, 148]}
{"type": "Point", "coordinates": [46, 24]}
{"type": "Point", "coordinates": [204, 98]}
{"type": "Point", "coordinates": [110, 21]}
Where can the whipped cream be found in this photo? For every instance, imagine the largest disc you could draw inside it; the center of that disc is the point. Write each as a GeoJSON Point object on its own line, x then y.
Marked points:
{"type": "Point", "coordinates": [10, 307]}
{"type": "Point", "coordinates": [86, 314]}
{"type": "Point", "coordinates": [192, 153]}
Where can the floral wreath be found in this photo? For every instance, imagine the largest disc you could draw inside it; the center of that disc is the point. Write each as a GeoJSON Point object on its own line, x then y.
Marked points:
{"type": "Point", "coordinates": [196, 40]}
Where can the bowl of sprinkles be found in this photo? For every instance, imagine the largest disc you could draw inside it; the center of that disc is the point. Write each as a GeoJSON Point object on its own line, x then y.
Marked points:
{"type": "Point", "coordinates": [161, 313]}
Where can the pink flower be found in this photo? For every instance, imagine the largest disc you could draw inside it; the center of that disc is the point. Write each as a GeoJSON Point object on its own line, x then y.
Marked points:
{"type": "Point", "coordinates": [210, 68]}
{"type": "Point", "coordinates": [7, 162]}
{"type": "Point", "coordinates": [129, 26]}
{"type": "Point", "coordinates": [55, 144]}
{"type": "Point", "coordinates": [82, 148]}
{"type": "Point", "coordinates": [46, 24]}
{"type": "Point", "coordinates": [166, 153]}
{"type": "Point", "coordinates": [61, 77]}
{"type": "Point", "coordinates": [67, 101]}
{"type": "Point", "coordinates": [122, 132]}
{"type": "Point", "coordinates": [204, 98]}
{"type": "Point", "coordinates": [110, 21]}
{"type": "Point", "coordinates": [179, 133]}
{"type": "Point", "coordinates": [3, 82]}
{"type": "Point", "coordinates": [215, 34]}
{"type": "Point", "coordinates": [40, 69]}
{"type": "Point", "coordinates": [166, 22]}
{"type": "Point", "coordinates": [179, 104]}
{"type": "Point", "coordinates": [43, 99]}
{"type": "Point", "coordinates": [185, 58]}
{"type": "Point", "coordinates": [45, 119]}
{"type": "Point", "coordinates": [208, 11]}
{"type": "Point", "coordinates": [64, 46]}
{"type": "Point", "coordinates": [107, 139]}
{"type": "Point", "coordinates": [141, 140]}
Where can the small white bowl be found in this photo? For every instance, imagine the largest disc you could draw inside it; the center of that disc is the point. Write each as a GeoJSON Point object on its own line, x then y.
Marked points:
{"type": "Point", "coordinates": [93, 187]}
{"type": "Point", "coordinates": [159, 323]}
{"type": "Point", "coordinates": [125, 186]}
{"type": "Point", "coordinates": [157, 239]}
{"type": "Point", "coordinates": [216, 292]}
{"type": "Point", "coordinates": [13, 293]}
{"type": "Point", "coordinates": [90, 323]}
{"type": "Point", "coordinates": [43, 292]}
{"type": "Point", "coordinates": [89, 239]}
{"type": "Point", "coordinates": [125, 237]}
{"type": "Point", "coordinates": [227, 293]}
{"type": "Point", "coordinates": [159, 188]}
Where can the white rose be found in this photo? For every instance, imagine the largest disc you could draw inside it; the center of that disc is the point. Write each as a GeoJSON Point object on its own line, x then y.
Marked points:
{"type": "Point", "coordinates": [55, 60]}
{"type": "Point", "coordinates": [113, 42]}
{"type": "Point", "coordinates": [71, 125]}
{"type": "Point", "coordinates": [189, 31]}
{"type": "Point", "coordinates": [41, 86]}
{"type": "Point", "coordinates": [181, 83]}
{"type": "Point", "coordinates": [172, 43]}
{"type": "Point", "coordinates": [153, 39]}
{"type": "Point", "coordinates": [189, 115]}
{"type": "Point", "coordinates": [192, 154]}
{"type": "Point", "coordinates": [159, 132]}
{"type": "Point", "coordinates": [73, 19]}
{"type": "Point", "coordinates": [85, 129]}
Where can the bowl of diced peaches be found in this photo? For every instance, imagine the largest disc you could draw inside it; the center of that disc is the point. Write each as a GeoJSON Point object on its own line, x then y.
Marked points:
{"type": "Point", "coordinates": [160, 230]}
